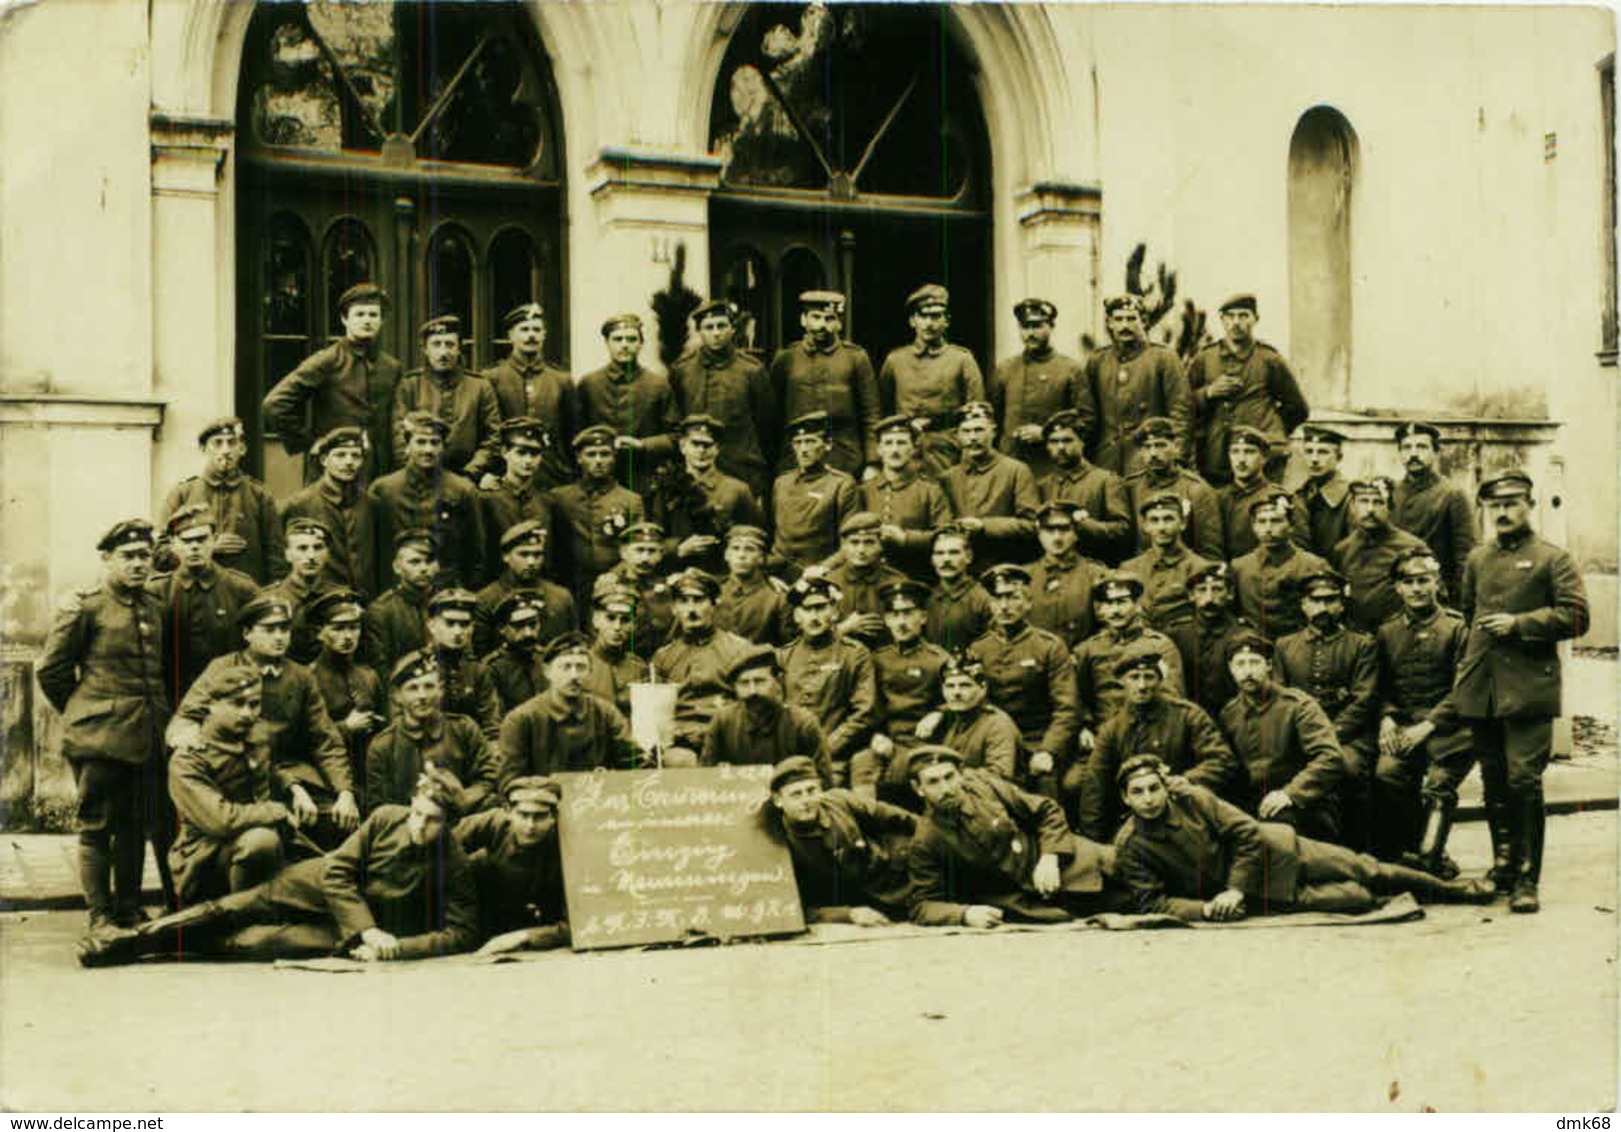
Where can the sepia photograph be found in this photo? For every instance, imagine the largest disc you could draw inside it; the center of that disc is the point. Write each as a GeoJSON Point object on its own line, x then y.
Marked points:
{"type": "Point", "coordinates": [681, 556]}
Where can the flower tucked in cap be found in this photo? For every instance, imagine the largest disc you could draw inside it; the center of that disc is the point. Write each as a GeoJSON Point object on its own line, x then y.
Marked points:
{"type": "Point", "coordinates": [1248, 434]}
{"type": "Point", "coordinates": [1321, 432]}
{"type": "Point", "coordinates": [420, 537]}
{"type": "Point", "coordinates": [361, 293]}
{"type": "Point", "coordinates": [1116, 586]}
{"type": "Point", "coordinates": [794, 768]}
{"type": "Point", "coordinates": [1240, 303]}
{"type": "Point", "coordinates": [1506, 486]}
{"type": "Point", "coordinates": [700, 422]}
{"type": "Point", "coordinates": [930, 754]}
{"type": "Point", "coordinates": [337, 607]}
{"type": "Point", "coordinates": [1418, 428]}
{"type": "Point", "coordinates": [1248, 641]}
{"type": "Point", "coordinates": [898, 597]}
{"type": "Point", "coordinates": [1324, 584]}
{"type": "Point", "coordinates": [597, 436]}
{"type": "Point", "coordinates": [962, 663]}
{"type": "Point", "coordinates": [453, 599]}
{"type": "Point", "coordinates": [827, 300]}
{"type": "Point", "coordinates": [858, 522]}
{"type": "Point", "coordinates": [1154, 428]}
{"type": "Point", "coordinates": [714, 307]}
{"type": "Point", "coordinates": [520, 607]}
{"type": "Point", "coordinates": [1275, 502]}
{"type": "Point", "coordinates": [565, 644]}
{"type": "Point", "coordinates": [694, 582]}
{"type": "Point", "coordinates": [523, 312]}
{"type": "Point", "coordinates": [187, 518]}
{"type": "Point", "coordinates": [515, 429]}
{"type": "Point", "coordinates": [1140, 764]}
{"type": "Point", "coordinates": [1004, 578]}
{"type": "Point", "coordinates": [758, 657]}
{"type": "Point", "coordinates": [1122, 302]}
{"type": "Point", "coordinates": [928, 295]}
{"type": "Point", "coordinates": [419, 662]}
{"type": "Point", "coordinates": [1415, 562]}
{"type": "Point", "coordinates": [1059, 515]}
{"type": "Point", "coordinates": [1138, 655]}
{"type": "Point", "coordinates": [814, 586]}
{"type": "Point", "coordinates": [976, 411]}
{"type": "Point", "coordinates": [228, 426]}
{"type": "Point", "coordinates": [421, 421]}
{"type": "Point", "coordinates": [1166, 501]}
{"type": "Point", "coordinates": [743, 532]}
{"type": "Point", "coordinates": [1034, 310]}
{"type": "Point", "coordinates": [535, 789]}
{"type": "Point", "coordinates": [642, 532]}
{"type": "Point", "coordinates": [1063, 418]}
{"type": "Point", "coordinates": [1219, 571]}
{"type": "Point", "coordinates": [303, 525]}
{"type": "Point", "coordinates": [807, 424]}
{"type": "Point", "coordinates": [226, 680]}
{"type": "Point", "coordinates": [264, 608]}
{"type": "Point", "coordinates": [1381, 486]}
{"type": "Point", "coordinates": [900, 422]}
{"type": "Point", "coordinates": [530, 532]}
{"type": "Point", "coordinates": [344, 436]}
{"type": "Point", "coordinates": [622, 322]}
{"type": "Point", "coordinates": [442, 324]}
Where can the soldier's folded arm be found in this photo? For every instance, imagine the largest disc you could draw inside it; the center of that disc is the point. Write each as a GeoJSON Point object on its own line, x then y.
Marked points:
{"type": "Point", "coordinates": [58, 667]}
{"type": "Point", "coordinates": [341, 884]}
{"type": "Point", "coordinates": [283, 406]}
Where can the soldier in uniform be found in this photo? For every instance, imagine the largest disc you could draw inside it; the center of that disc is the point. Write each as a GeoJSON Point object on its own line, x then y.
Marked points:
{"type": "Point", "coordinates": [352, 692]}
{"type": "Point", "coordinates": [830, 676]}
{"type": "Point", "coordinates": [1292, 763]}
{"type": "Point", "coordinates": [930, 380]}
{"type": "Point", "coordinates": [515, 498]}
{"type": "Point", "coordinates": [591, 513]}
{"type": "Point", "coordinates": [307, 548]}
{"type": "Point", "coordinates": [200, 600]}
{"type": "Point", "coordinates": [1061, 580]}
{"type": "Point", "coordinates": [529, 389]}
{"type": "Point", "coordinates": [638, 403]}
{"type": "Point", "coordinates": [1104, 524]}
{"type": "Point", "coordinates": [641, 551]}
{"type": "Point", "coordinates": [698, 658]}
{"type": "Point", "coordinates": [722, 382]}
{"type": "Point", "coordinates": [860, 573]}
{"type": "Point", "coordinates": [1116, 601]}
{"type": "Point", "coordinates": [985, 849]}
{"type": "Point", "coordinates": [247, 531]}
{"type": "Point", "coordinates": [517, 864]}
{"type": "Point", "coordinates": [463, 401]}
{"type": "Point", "coordinates": [1429, 506]}
{"type": "Point", "coordinates": [993, 496]}
{"type": "Point", "coordinates": [696, 518]}
{"type": "Point", "coordinates": [468, 687]}
{"type": "Point", "coordinates": [1031, 677]}
{"type": "Point", "coordinates": [1184, 852]}
{"type": "Point", "coordinates": [565, 727]}
{"type": "Point", "coordinates": [1321, 497]}
{"type": "Point", "coordinates": [396, 622]}
{"type": "Point", "coordinates": [102, 669]}
{"type": "Point", "coordinates": [1268, 578]}
{"type": "Point", "coordinates": [523, 554]}
{"type": "Point", "coordinates": [1158, 473]}
{"type": "Point", "coordinates": [337, 500]}
{"type": "Point", "coordinates": [349, 383]}
{"type": "Point", "coordinates": [907, 675]}
{"type": "Point", "coordinates": [1366, 554]}
{"type": "Point", "coordinates": [967, 721]}
{"type": "Point", "coordinates": [426, 495]}
{"type": "Point", "coordinates": [423, 735]}
{"type": "Point", "coordinates": [515, 667]}
{"type": "Point", "coordinates": [809, 502]}
{"type": "Point", "coordinates": [1131, 381]}
{"type": "Point", "coordinates": [849, 852]}
{"type": "Point", "coordinates": [1029, 388]}
{"type": "Point", "coordinates": [1241, 381]}
{"type": "Point", "coordinates": [614, 667]}
{"type": "Point", "coordinates": [1247, 450]}
{"type": "Point", "coordinates": [1425, 752]}
{"type": "Point", "coordinates": [1165, 567]}
{"type": "Point", "coordinates": [823, 374]}
{"type": "Point", "coordinates": [307, 751]}
{"type": "Point", "coordinates": [959, 607]}
{"type": "Point", "coordinates": [752, 604]}
{"type": "Point", "coordinates": [1202, 641]}
{"type": "Point", "coordinates": [1522, 596]}
{"type": "Point", "coordinates": [1152, 722]}
{"type": "Point", "coordinates": [910, 507]}
{"type": "Point", "coordinates": [758, 727]}
{"type": "Point", "coordinates": [1339, 668]}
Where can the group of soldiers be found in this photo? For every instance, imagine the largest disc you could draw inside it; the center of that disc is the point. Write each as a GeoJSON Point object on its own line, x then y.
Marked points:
{"type": "Point", "coordinates": [1027, 646]}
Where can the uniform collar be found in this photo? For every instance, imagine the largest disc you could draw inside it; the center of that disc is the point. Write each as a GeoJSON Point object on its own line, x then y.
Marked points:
{"type": "Point", "coordinates": [1332, 489]}
{"type": "Point", "coordinates": [716, 359]}
{"type": "Point", "coordinates": [814, 350]}
{"type": "Point", "coordinates": [366, 352]}
{"type": "Point", "coordinates": [203, 579]}
{"type": "Point", "coordinates": [1063, 564]}
{"type": "Point", "coordinates": [341, 495]}
{"type": "Point", "coordinates": [1419, 622]}
{"type": "Point", "coordinates": [270, 669]}
{"type": "Point", "coordinates": [1514, 541]}
{"type": "Point", "coordinates": [924, 350]}
{"type": "Point", "coordinates": [1039, 356]}
{"type": "Point", "coordinates": [622, 373]}
{"type": "Point", "coordinates": [447, 379]}
{"type": "Point", "coordinates": [901, 482]}
{"type": "Point", "coordinates": [526, 369]}
{"type": "Point", "coordinates": [1422, 478]}
{"type": "Point", "coordinates": [1227, 350]}
{"type": "Point", "coordinates": [227, 480]}
{"type": "Point", "coordinates": [559, 709]}
{"type": "Point", "coordinates": [431, 732]}
{"type": "Point", "coordinates": [979, 465]}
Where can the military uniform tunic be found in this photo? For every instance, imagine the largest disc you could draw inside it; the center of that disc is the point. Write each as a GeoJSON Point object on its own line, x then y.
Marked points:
{"type": "Point", "coordinates": [1234, 500]}
{"type": "Point", "coordinates": [1268, 399]}
{"type": "Point", "coordinates": [655, 617]}
{"type": "Point", "coordinates": [931, 383]}
{"type": "Point", "coordinates": [612, 674]}
{"type": "Point", "coordinates": [734, 389]}
{"type": "Point", "coordinates": [1030, 676]}
{"type": "Point", "coordinates": [738, 738]}
{"type": "Point", "coordinates": [516, 675]}
{"type": "Point", "coordinates": [1177, 730]}
{"type": "Point", "coordinates": [504, 507]}
{"type": "Point", "coordinates": [587, 520]}
{"type": "Point", "coordinates": [755, 610]}
{"type": "Point", "coordinates": [1365, 559]}
{"type": "Point", "coordinates": [985, 737]}
{"type": "Point", "coordinates": [1341, 672]}
{"type": "Point", "coordinates": [346, 686]}
{"type": "Point", "coordinates": [545, 394]}
{"type": "Point", "coordinates": [837, 381]}
{"type": "Point", "coordinates": [633, 402]}
{"type": "Point", "coordinates": [469, 690]}
{"type": "Point", "coordinates": [1164, 575]}
{"type": "Point", "coordinates": [1439, 513]}
{"type": "Point", "coordinates": [908, 684]}
{"type": "Point", "coordinates": [861, 587]}
{"type": "Point", "coordinates": [549, 734]}
{"type": "Point", "coordinates": [239, 505]}
{"type": "Point", "coordinates": [807, 508]}
{"type": "Point", "coordinates": [1128, 388]}
{"type": "Point", "coordinates": [854, 855]}
{"type": "Point", "coordinates": [397, 755]}
{"type": "Point", "coordinates": [700, 665]}
{"type": "Point", "coordinates": [1325, 515]}
{"type": "Point", "coordinates": [199, 620]}
{"type": "Point", "coordinates": [1028, 388]}
{"type": "Point", "coordinates": [918, 507]}
{"type": "Point", "coordinates": [1202, 645]}
{"type": "Point", "coordinates": [958, 614]}
{"type": "Point", "coordinates": [558, 614]}
{"type": "Point", "coordinates": [440, 501]}
{"type": "Point", "coordinates": [342, 384]}
{"type": "Point", "coordinates": [463, 401]}
{"type": "Point", "coordinates": [221, 789]}
{"type": "Point", "coordinates": [1268, 583]}
{"type": "Point", "coordinates": [1202, 530]}
{"type": "Point", "coordinates": [1000, 492]}
{"type": "Point", "coordinates": [1284, 741]}
{"type": "Point", "coordinates": [1108, 530]}
{"type": "Point", "coordinates": [835, 682]}
{"type": "Point", "coordinates": [1100, 691]}
{"type": "Point", "coordinates": [1061, 596]}
{"type": "Point", "coordinates": [348, 513]}
{"type": "Point", "coordinates": [393, 625]}
{"type": "Point", "coordinates": [519, 886]}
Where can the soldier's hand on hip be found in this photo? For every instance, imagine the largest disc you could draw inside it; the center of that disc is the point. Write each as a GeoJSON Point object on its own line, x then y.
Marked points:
{"type": "Point", "coordinates": [1274, 803]}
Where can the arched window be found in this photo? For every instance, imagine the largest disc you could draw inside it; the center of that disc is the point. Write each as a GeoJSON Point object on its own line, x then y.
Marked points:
{"type": "Point", "coordinates": [1322, 179]}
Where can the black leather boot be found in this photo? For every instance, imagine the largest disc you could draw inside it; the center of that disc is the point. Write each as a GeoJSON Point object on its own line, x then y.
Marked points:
{"type": "Point", "coordinates": [1500, 821]}
{"type": "Point", "coordinates": [164, 934]}
{"type": "Point", "coordinates": [1532, 824]}
{"type": "Point", "coordinates": [1432, 889]}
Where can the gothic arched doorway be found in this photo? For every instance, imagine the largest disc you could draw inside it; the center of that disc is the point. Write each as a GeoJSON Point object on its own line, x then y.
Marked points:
{"type": "Point", "coordinates": [856, 159]}
{"type": "Point", "coordinates": [414, 144]}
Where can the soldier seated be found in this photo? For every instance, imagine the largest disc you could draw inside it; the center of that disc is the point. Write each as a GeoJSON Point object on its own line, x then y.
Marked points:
{"type": "Point", "coordinates": [979, 731]}
{"type": "Point", "coordinates": [565, 727]}
{"type": "Point", "coordinates": [758, 727]}
{"type": "Point", "coordinates": [698, 659]}
{"type": "Point", "coordinates": [908, 682]}
{"type": "Point", "coordinates": [423, 734]}
{"type": "Point", "coordinates": [830, 677]}
{"type": "Point", "coordinates": [751, 603]}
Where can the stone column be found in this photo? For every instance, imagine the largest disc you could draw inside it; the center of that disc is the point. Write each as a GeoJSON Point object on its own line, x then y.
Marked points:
{"type": "Point", "coordinates": [1056, 253]}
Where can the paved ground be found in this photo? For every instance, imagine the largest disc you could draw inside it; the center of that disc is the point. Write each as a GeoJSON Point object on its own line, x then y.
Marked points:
{"type": "Point", "coordinates": [1470, 1009]}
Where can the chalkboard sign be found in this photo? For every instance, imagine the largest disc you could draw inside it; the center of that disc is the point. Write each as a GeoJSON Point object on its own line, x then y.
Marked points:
{"type": "Point", "coordinates": [657, 856]}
